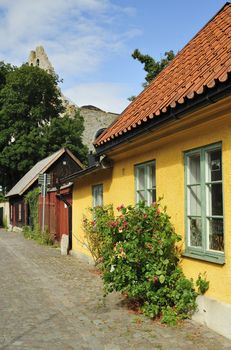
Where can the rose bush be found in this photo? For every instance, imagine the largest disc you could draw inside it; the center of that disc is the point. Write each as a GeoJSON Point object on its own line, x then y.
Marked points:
{"type": "Point", "coordinates": [97, 230]}
{"type": "Point", "coordinates": [139, 258]}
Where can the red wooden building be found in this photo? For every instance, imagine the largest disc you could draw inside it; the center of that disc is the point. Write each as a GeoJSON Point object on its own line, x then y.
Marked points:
{"type": "Point", "coordinates": [57, 211]}
{"type": "Point", "coordinates": [57, 201]}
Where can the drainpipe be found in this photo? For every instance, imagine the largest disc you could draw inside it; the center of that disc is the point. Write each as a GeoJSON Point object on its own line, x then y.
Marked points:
{"type": "Point", "coordinates": [69, 206]}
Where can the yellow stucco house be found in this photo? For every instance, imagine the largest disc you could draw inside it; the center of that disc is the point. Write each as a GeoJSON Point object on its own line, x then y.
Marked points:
{"type": "Point", "coordinates": [174, 141]}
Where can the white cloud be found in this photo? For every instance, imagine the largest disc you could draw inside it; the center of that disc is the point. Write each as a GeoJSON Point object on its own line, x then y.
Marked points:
{"type": "Point", "coordinates": [102, 95]}
{"type": "Point", "coordinates": [78, 35]}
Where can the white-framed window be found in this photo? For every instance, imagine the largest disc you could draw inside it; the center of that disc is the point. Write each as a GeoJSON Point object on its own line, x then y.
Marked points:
{"type": "Point", "coordinates": [97, 195]}
{"type": "Point", "coordinates": [20, 212]}
{"type": "Point", "coordinates": [204, 203]}
{"type": "Point", "coordinates": [145, 177]}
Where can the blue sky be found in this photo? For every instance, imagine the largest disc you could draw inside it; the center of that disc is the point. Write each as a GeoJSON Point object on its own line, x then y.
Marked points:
{"type": "Point", "coordinates": [89, 42]}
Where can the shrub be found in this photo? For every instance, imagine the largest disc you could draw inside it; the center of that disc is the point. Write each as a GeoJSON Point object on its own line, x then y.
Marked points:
{"type": "Point", "coordinates": [32, 199]}
{"type": "Point", "coordinates": [33, 231]}
{"type": "Point", "coordinates": [97, 231]}
{"type": "Point", "coordinates": [2, 198]}
{"type": "Point", "coordinates": [5, 222]}
{"type": "Point", "coordinates": [202, 283]}
{"type": "Point", "coordinates": [139, 257]}
{"type": "Point", "coordinates": [42, 237]}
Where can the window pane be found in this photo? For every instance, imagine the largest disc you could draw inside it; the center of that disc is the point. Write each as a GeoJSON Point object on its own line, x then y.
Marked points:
{"type": "Point", "coordinates": [100, 195]}
{"type": "Point", "coordinates": [194, 200]}
{"type": "Point", "coordinates": [154, 195]}
{"type": "Point", "coordinates": [97, 195]}
{"type": "Point", "coordinates": [151, 176]}
{"type": "Point", "coordinates": [145, 182]}
{"type": "Point", "coordinates": [214, 165]}
{"type": "Point", "coordinates": [141, 178]}
{"type": "Point", "coordinates": [216, 234]}
{"type": "Point", "coordinates": [194, 169]}
{"type": "Point", "coordinates": [151, 196]}
{"type": "Point", "coordinates": [195, 232]}
{"type": "Point", "coordinates": [215, 204]}
{"type": "Point", "coordinates": [151, 192]}
{"type": "Point", "coordinates": [141, 196]}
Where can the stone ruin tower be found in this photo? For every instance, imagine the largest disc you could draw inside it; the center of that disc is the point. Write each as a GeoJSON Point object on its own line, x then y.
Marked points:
{"type": "Point", "coordinates": [94, 117]}
{"type": "Point", "coordinates": [39, 58]}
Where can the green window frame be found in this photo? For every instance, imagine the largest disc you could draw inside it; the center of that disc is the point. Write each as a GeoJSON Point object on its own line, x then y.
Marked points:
{"type": "Point", "coordinates": [204, 218]}
{"type": "Point", "coordinates": [145, 182]}
{"type": "Point", "coordinates": [97, 195]}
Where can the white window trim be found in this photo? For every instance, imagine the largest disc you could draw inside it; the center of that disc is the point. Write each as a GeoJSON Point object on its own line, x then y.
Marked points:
{"type": "Point", "coordinates": [147, 179]}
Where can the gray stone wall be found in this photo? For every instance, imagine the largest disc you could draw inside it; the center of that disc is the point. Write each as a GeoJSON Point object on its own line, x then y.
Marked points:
{"type": "Point", "coordinates": [94, 119]}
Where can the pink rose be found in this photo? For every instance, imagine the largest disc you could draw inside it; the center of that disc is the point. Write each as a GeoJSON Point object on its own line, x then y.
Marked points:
{"type": "Point", "coordinates": [113, 224]}
{"type": "Point", "coordinates": [155, 279]}
{"type": "Point", "coordinates": [125, 223]}
{"type": "Point", "coordinates": [120, 207]}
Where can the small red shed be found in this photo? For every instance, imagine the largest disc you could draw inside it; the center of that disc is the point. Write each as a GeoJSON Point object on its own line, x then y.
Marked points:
{"type": "Point", "coordinates": [57, 211]}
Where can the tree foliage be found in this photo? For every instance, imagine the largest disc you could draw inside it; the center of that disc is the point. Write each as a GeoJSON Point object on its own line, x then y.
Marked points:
{"type": "Point", "coordinates": [68, 131]}
{"type": "Point", "coordinates": [151, 66]}
{"type": "Point", "coordinates": [4, 70]}
{"type": "Point", "coordinates": [32, 125]}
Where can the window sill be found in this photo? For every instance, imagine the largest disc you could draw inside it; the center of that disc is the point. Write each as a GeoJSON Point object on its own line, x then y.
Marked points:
{"type": "Point", "coordinates": [213, 258]}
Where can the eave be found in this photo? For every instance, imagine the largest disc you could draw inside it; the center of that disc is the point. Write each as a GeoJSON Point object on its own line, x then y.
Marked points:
{"type": "Point", "coordinates": [209, 96]}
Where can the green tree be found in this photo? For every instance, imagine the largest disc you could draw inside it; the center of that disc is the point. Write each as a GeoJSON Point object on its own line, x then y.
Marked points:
{"type": "Point", "coordinates": [68, 131]}
{"type": "Point", "coordinates": [4, 70]}
{"type": "Point", "coordinates": [31, 121]}
{"type": "Point", "coordinates": [151, 66]}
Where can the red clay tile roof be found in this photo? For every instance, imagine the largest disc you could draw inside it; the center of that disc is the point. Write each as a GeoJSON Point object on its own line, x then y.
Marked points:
{"type": "Point", "coordinates": [205, 60]}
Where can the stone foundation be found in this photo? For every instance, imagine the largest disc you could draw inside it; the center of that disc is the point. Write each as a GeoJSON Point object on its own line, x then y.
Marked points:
{"type": "Point", "coordinates": [214, 314]}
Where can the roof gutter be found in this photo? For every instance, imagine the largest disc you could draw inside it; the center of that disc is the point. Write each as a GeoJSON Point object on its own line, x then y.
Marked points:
{"type": "Point", "coordinates": [220, 91]}
{"type": "Point", "coordinates": [80, 173]}
{"type": "Point", "coordinates": [102, 163]}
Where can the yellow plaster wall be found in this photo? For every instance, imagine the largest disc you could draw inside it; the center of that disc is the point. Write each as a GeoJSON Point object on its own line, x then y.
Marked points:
{"type": "Point", "coordinates": [82, 201]}
{"type": "Point", "coordinates": [168, 153]}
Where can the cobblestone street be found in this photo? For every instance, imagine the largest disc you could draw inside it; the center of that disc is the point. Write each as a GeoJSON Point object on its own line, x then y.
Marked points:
{"type": "Point", "coordinates": [48, 302]}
